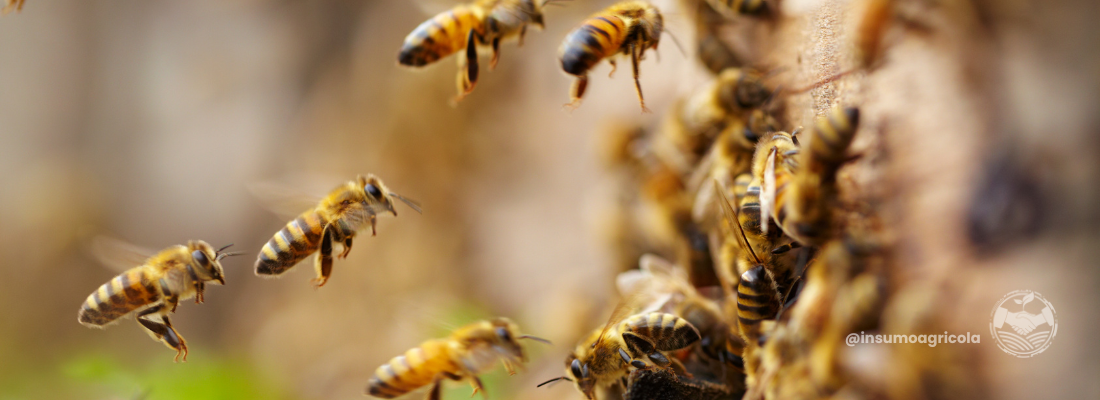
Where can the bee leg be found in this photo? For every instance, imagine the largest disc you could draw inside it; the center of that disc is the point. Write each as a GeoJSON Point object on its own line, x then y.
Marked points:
{"type": "Point", "coordinates": [433, 394]}
{"type": "Point", "coordinates": [614, 67]}
{"type": "Point", "coordinates": [635, 57]}
{"type": "Point", "coordinates": [198, 284]}
{"type": "Point", "coordinates": [639, 364]}
{"type": "Point", "coordinates": [373, 221]}
{"type": "Point", "coordinates": [522, 33]}
{"type": "Point", "coordinates": [496, 54]}
{"type": "Point", "coordinates": [323, 263]}
{"type": "Point", "coordinates": [659, 359]}
{"type": "Point", "coordinates": [200, 287]}
{"type": "Point", "coordinates": [576, 92]}
{"type": "Point", "coordinates": [478, 387]}
{"type": "Point", "coordinates": [347, 249]}
{"type": "Point", "coordinates": [171, 300]}
{"type": "Point", "coordinates": [467, 75]}
{"type": "Point", "coordinates": [163, 331]}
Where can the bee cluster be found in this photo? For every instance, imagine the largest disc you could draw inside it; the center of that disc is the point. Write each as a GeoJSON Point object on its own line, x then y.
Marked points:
{"type": "Point", "coordinates": [739, 223]}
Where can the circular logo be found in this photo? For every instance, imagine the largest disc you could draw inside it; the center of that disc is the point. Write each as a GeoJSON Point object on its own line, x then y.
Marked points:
{"type": "Point", "coordinates": [1023, 323]}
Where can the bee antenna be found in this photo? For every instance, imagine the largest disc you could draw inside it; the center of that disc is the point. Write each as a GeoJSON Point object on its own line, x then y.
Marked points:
{"type": "Point", "coordinates": [230, 254]}
{"type": "Point", "coordinates": [676, 42]}
{"type": "Point", "coordinates": [734, 215]}
{"type": "Point", "coordinates": [224, 247]}
{"type": "Point", "coordinates": [411, 203]}
{"type": "Point", "coordinates": [560, 378]}
{"type": "Point", "coordinates": [535, 338]}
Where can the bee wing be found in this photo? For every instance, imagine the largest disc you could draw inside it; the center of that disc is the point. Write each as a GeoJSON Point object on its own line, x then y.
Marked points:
{"type": "Point", "coordinates": [641, 298]}
{"type": "Point", "coordinates": [433, 7]}
{"type": "Point", "coordinates": [731, 212]}
{"type": "Point", "coordinates": [116, 254]}
{"type": "Point", "coordinates": [288, 198]}
{"type": "Point", "coordinates": [767, 193]}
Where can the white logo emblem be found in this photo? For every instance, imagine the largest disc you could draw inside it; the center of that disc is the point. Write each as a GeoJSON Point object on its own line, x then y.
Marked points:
{"type": "Point", "coordinates": [1024, 326]}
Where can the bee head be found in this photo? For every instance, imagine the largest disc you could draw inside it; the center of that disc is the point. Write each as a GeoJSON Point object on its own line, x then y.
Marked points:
{"type": "Point", "coordinates": [377, 196]}
{"type": "Point", "coordinates": [206, 261]}
{"type": "Point", "coordinates": [581, 376]}
{"type": "Point", "coordinates": [652, 25]}
{"type": "Point", "coordinates": [505, 338]}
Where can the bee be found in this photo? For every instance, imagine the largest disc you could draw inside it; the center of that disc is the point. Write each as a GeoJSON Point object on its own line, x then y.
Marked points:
{"type": "Point", "coordinates": [628, 27]}
{"type": "Point", "coordinates": [718, 113]}
{"type": "Point", "coordinates": [337, 219]}
{"type": "Point", "coordinates": [757, 291]}
{"type": "Point", "coordinates": [464, 27]}
{"type": "Point", "coordinates": [605, 357]}
{"type": "Point", "coordinates": [12, 5]}
{"type": "Point", "coordinates": [661, 277]}
{"type": "Point", "coordinates": [154, 289]}
{"type": "Point", "coordinates": [467, 352]}
{"type": "Point", "coordinates": [797, 194]}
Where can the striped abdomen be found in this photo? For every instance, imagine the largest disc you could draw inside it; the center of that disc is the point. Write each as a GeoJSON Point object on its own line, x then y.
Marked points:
{"type": "Point", "coordinates": [296, 241]}
{"type": "Point", "coordinates": [832, 135]}
{"type": "Point", "coordinates": [757, 300]}
{"type": "Point", "coordinates": [666, 331]}
{"type": "Point", "coordinates": [599, 37]}
{"type": "Point", "coordinates": [120, 296]}
{"type": "Point", "coordinates": [439, 37]}
{"type": "Point", "coordinates": [749, 216]}
{"type": "Point", "coordinates": [417, 367]}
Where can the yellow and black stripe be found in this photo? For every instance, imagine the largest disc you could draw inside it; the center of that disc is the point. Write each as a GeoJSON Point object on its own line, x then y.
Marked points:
{"type": "Point", "coordinates": [832, 134]}
{"type": "Point", "coordinates": [120, 296]}
{"type": "Point", "coordinates": [757, 300]}
{"type": "Point", "coordinates": [666, 331]}
{"type": "Point", "coordinates": [597, 38]}
{"type": "Point", "coordinates": [441, 36]}
{"type": "Point", "coordinates": [418, 367]}
{"type": "Point", "coordinates": [296, 241]}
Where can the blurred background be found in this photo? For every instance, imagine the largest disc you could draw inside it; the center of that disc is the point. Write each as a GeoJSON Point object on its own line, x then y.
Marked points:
{"type": "Point", "coordinates": [149, 120]}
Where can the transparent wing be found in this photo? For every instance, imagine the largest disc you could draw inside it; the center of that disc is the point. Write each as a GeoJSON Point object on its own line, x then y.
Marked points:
{"type": "Point", "coordinates": [116, 254]}
{"type": "Point", "coordinates": [767, 193]}
{"type": "Point", "coordinates": [290, 196]}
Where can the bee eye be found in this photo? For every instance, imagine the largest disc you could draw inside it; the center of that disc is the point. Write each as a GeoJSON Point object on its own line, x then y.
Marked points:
{"type": "Point", "coordinates": [200, 257]}
{"type": "Point", "coordinates": [373, 191]}
{"type": "Point", "coordinates": [575, 368]}
{"type": "Point", "coordinates": [504, 334]}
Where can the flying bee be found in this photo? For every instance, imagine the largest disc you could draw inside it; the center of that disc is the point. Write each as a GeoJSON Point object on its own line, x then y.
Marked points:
{"type": "Point", "coordinates": [155, 288]}
{"type": "Point", "coordinates": [337, 219]}
{"type": "Point", "coordinates": [464, 27]}
{"type": "Point", "coordinates": [467, 352]}
{"type": "Point", "coordinates": [628, 28]}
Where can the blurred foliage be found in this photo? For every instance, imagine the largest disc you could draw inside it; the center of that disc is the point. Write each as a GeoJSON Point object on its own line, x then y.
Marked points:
{"type": "Point", "coordinates": [95, 375]}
